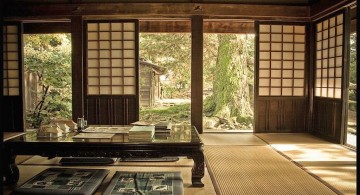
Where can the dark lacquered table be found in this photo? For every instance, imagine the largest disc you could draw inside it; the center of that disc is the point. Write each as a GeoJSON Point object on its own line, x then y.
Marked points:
{"type": "Point", "coordinates": [176, 142]}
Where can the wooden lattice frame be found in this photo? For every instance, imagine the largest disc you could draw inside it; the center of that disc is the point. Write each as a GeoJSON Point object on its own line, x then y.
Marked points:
{"type": "Point", "coordinates": [329, 57]}
{"type": "Point", "coordinates": [11, 52]}
{"type": "Point", "coordinates": [282, 59]}
{"type": "Point", "coordinates": [111, 57]}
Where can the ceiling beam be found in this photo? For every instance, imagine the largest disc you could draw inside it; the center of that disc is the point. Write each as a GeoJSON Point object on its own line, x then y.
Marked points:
{"type": "Point", "coordinates": [324, 7]}
{"type": "Point", "coordinates": [157, 10]}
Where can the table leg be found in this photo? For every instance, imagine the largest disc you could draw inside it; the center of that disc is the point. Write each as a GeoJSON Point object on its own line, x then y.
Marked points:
{"type": "Point", "coordinates": [11, 171]}
{"type": "Point", "coordinates": [198, 169]}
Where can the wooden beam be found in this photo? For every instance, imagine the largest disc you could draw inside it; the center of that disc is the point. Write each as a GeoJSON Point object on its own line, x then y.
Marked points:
{"type": "Point", "coordinates": [209, 27]}
{"type": "Point", "coordinates": [197, 72]}
{"type": "Point", "coordinates": [157, 10]}
{"type": "Point", "coordinates": [77, 67]}
{"type": "Point", "coordinates": [49, 27]}
{"type": "Point", "coordinates": [325, 7]}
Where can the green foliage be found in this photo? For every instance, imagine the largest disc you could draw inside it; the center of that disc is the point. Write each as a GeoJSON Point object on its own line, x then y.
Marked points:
{"type": "Point", "coordinates": [178, 113]}
{"type": "Point", "coordinates": [49, 57]}
{"type": "Point", "coordinates": [171, 51]}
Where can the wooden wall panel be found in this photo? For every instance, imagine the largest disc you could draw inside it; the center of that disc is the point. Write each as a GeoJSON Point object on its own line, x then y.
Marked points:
{"type": "Point", "coordinates": [112, 110]}
{"type": "Point", "coordinates": [281, 115]}
{"type": "Point", "coordinates": [327, 119]}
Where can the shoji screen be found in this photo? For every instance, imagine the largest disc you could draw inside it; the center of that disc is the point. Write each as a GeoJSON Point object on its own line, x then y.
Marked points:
{"type": "Point", "coordinates": [281, 60]}
{"type": "Point", "coordinates": [329, 36]}
{"type": "Point", "coordinates": [11, 72]}
{"type": "Point", "coordinates": [329, 57]}
{"type": "Point", "coordinates": [111, 73]}
{"type": "Point", "coordinates": [111, 58]}
{"type": "Point", "coordinates": [12, 102]}
{"type": "Point", "coordinates": [281, 98]}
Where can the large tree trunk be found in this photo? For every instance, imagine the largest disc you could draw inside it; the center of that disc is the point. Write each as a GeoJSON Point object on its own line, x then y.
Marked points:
{"type": "Point", "coordinates": [231, 87]}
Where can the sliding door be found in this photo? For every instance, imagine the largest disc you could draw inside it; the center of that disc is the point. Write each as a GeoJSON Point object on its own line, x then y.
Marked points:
{"type": "Point", "coordinates": [281, 98]}
{"type": "Point", "coordinates": [328, 117]}
{"type": "Point", "coordinates": [12, 102]}
{"type": "Point", "coordinates": [111, 72]}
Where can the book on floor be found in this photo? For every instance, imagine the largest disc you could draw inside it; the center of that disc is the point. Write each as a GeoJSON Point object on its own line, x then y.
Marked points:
{"type": "Point", "coordinates": [125, 183]}
{"type": "Point", "coordinates": [58, 181]}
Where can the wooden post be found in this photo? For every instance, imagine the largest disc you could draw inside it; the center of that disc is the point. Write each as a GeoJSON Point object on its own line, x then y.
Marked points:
{"type": "Point", "coordinates": [197, 72]}
{"type": "Point", "coordinates": [77, 67]}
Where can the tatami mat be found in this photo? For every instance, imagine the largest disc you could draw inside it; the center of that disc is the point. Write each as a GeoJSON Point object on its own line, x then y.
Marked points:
{"type": "Point", "coordinates": [332, 163]}
{"type": "Point", "coordinates": [343, 178]}
{"type": "Point", "coordinates": [231, 139]}
{"type": "Point", "coordinates": [258, 170]}
{"type": "Point", "coordinates": [26, 173]}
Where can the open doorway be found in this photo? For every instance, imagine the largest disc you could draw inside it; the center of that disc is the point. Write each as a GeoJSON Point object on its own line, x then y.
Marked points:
{"type": "Point", "coordinates": [47, 78]}
{"type": "Point", "coordinates": [351, 119]}
{"type": "Point", "coordinates": [164, 70]}
{"type": "Point", "coordinates": [228, 94]}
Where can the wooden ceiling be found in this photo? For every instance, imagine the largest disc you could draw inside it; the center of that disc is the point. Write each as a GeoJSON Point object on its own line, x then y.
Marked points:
{"type": "Point", "coordinates": [263, 2]}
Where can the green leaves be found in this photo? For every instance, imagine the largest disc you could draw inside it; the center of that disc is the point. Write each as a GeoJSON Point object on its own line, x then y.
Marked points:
{"type": "Point", "coordinates": [49, 56]}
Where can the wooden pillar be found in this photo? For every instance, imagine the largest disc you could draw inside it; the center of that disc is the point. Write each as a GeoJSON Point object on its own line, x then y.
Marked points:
{"type": "Point", "coordinates": [197, 72]}
{"type": "Point", "coordinates": [77, 67]}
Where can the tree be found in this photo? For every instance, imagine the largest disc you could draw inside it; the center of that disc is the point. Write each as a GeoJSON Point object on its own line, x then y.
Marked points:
{"type": "Point", "coordinates": [233, 76]}
{"type": "Point", "coordinates": [49, 57]}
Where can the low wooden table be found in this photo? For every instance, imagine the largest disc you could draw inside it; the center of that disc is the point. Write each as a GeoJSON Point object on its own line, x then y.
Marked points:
{"type": "Point", "coordinates": [180, 142]}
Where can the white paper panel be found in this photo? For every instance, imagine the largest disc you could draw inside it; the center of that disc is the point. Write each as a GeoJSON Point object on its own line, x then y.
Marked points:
{"type": "Point", "coordinates": [13, 82]}
{"type": "Point", "coordinates": [287, 82]}
{"type": "Point", "coordinates": [263, 91]}
{"type": "Point", "coordinates": [299, 47]}
{"type": "Point", "coordinates": [105, 63]}
{"type": "Point", "coordinates": [12, 38]}
{"type": "Point", "coordinates": [332, 21]}
{"type": "Point", "coordinates": [325, 63]}
{"type": "Point", "coordinates": [339, 30]}
{"type": "Point", "coordinates": [298, 91]}
{"type": "Point", "coordinates": [104, 44]}
{"type": "Point", "coordinates": [129, 72]}
{"type": "Point", "coordinates": [264, 46]}
{"type": "Point", "coordinates": [93, 90]}
{"type": "Point", "coordinates": [92, 27]}
{"type": "Point", "coordinates": [93, 72]}
{"type": "Point", "coordinates": [276, 38]}
{"type": "Point", "coordinates": [338, 82]}
{"type": "Point", "coordinates": [298, 73]}
{"type": "Point", "coordinates": [93, 54]}
{"type": "Point", "coordinates": [300, 29]}
{"type": "Point", "coordinates": [264, 82]}
{"type": "Point", "coordinates": [129, 44]}
{"type": "Point", "coordinates": [116, 44]}
{"type": "Point", "coordinates": [117, 80]}
{"type": "Point", "coordinates": [299, 82]}
{"type": "Point", "coordinates": [275, 91]}
{"type": "Point", "coordinates": [105, 90]}
{"type": "Point", "coordinates": [129, 81]}
{"type": "Point", "coordinates": [337, 93]}
{"type": "Point", "coordinates": [324, 92]}
{"type": "Point", "coordinates": [264, 73]}
{"type": "Point", "coordinates": [129, 63]}
{"type": "Point", "coordinates": [264, 64]}
{"type": "Point", "coordinates": [104, 26]}
{"type": "Point", "coordinates": [287, 91]}
{"type": "Point", "coordinates": [318, 83]}
{"type": "Point", "coordinates": [105, 81]}
{"type": "Point", "coordinates": [288, 55]}
{"type": "Point", "coordinates": [324, 82]}
{"type": "Point", "coordinates": [13, 74]}
{"type": "Point", "coordinates": [116, 26]}
{"type": "Point", "coordinates": [331, 82]}
{"type": "Point", "coordinates": [93, 36]}
{"type": "Point", "coordinates": [276, 55]}
{"type": "Point", "coordinates": [264, 55]}
{"type": "Point", "coordinates": [116, 72]}
{"type": "Point", "coordinates": [129, 27]}
{"type": "Point", "coordinates": [104, 35]}
{"type": "Point", "coordinates": [116, 63]}
{"type": "Point", "coordinates": [129, 90]}
{"type": "Point", "coordinates": [330, 92]}
{"type": "Point", "coordinates": [93, 81]}
{"type": "Point", "coordinates": [340, 19]}
{"type": "Point", "coordinates": [338, 72]}
{"type": "Point", "coordinates": [275, 82]}
{"type": "Point", "coordinates": [288, 29]}
{"type": "Point", "coordinates": [324, 73]}
{"type": "Point", "coordinates": [129, 36]}
{"type": "Point", "coordinates": [288, 38]}
{"type": "Point", "coordinates": [105, 72]}
{"type": "Point", "coordinates": [264, 28]}
{"type": "Point", "coordinates": [288, 47]}
{"type": "Point", "coordinates": [104, 54]}
{"type": "Point", "coordinates": [276, 28]}
{"type": "Point", "coordinates": [276, 47]}
{"type": "Point", "coordinates": [299, 64]}
{"type": "Point", "coordinates": [12, 56]}
{"type": "Point", "coordinates": [129, 53]}
{"type": "Point", "coordinates": [12, 65]}
{"type": "Point", "coordinates": [264, 37]}
{"type": "Point", "coordinates": [117, 90]}
{"type": "Point", "coordinates": [287, 74]}
{"type": "Point", "coordinates": [116, 53]}
{"type": "Point", "coordinates": [275, 64]}
{"type": "Point", "coordinates": [325, 34]}
{"type": "Point", "coordinates": [116, 35]}
{"type": "Point", "coordinates": [288, 64]}
{"type": "Point", "coordinates": [14, 91]}
{"type": "Point", "coordinates": [318, 92]}
{"type": "Point", "coordinates": [299, 56]}
{"type": "Point", "coordinates": [275, 73]}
